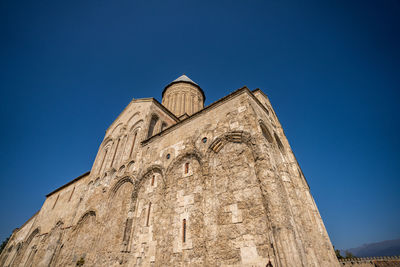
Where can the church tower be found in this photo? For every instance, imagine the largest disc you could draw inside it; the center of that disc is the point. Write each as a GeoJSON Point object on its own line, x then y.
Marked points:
{"type": "Point", "coordinates": [183, 96]}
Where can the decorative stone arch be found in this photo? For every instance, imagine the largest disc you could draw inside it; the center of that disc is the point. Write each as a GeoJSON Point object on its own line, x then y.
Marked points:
{"type": "Point", "coordinates": [131, 119]}
{"type": "Point", "coordinates": [106, 142]}
{"type": "Point", "coordinates": [234, 137]}
{"type": "Point", "coordinates": [84, 218]}
{"type": "Point", "coordinates": [138, 183]}
{"type": "Point", "coordinates": [265, 131]}
{"type": "Point", "coordinates": [118, 184]}
{"type": "Point", "coordinates": [59, 223]}
{"type": "Point", "coordinates": [31, 236]}
{"type": "Point", "coordinates": [101, 155]}
{"type": "Point", "coordinates": [144, 174]}
{"type": "Point", "coordinates": [114, 131]}
{"type": "Point", "coordinates": [132, 138]}
{"type": "Point", "coordinates": [192, 153]}
{"type": "Point", "coordinates": [243, 137]}
{"type": "Point", "coordinates": [135, 126]}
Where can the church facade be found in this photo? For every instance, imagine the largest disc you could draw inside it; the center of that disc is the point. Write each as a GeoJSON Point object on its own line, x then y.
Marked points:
{"type": "Point", "coordinates": [179, 184]}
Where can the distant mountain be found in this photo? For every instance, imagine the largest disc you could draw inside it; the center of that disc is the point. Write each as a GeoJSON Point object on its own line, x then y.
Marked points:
{"type": "Point", "coordinates": [384, 248]}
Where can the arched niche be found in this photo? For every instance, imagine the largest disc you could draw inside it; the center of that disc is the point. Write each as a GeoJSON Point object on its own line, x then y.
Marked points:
{"type": "Point", "coordinates": [180, 226]}
{"type": "Point", "coordinates": [81, 241]}
{"type": "Point", "coordinates": [146, 209]}
{"type": "Point", "coordinates": [236, 201]}
{"type": "Point", "coordinates": [47, 255]}
{"type": "Point", "coordinates": [152, 125]}
{"type": "Point", "coordinates": [266, 132]}
{"type": "Point", "coordinates": [30, 248]}
{"type": "Point", "coordinates": [117, 130]}
{"type": "Point", "coordinates": [117, 231]}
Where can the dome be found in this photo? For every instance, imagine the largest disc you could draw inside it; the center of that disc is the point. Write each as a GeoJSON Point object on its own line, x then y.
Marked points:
{"type": "Point", "coordinates": [184, 79]}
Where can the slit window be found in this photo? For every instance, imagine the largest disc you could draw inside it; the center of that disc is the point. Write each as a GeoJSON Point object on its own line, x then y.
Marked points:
{"type": "Point", "coordinates": [148, 215]}
{"type": "Point", "coordinates": [186, 167]}
{"type": "Point", "coordinates": [55, 202]}
{"type": "Point", "coordinates": [184, 230]}
{"type": "Point", "coordinates": [152, 180]}
{"type": "Point", "coordinates": [73, 190]}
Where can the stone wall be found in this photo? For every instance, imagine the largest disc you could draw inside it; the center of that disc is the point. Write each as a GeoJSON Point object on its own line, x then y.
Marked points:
{"type": "Point", "coordinates": [220, 188]}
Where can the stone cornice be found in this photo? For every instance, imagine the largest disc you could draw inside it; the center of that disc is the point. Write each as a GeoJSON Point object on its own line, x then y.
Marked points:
{"type": "Point", "coordinates": [69, 183]}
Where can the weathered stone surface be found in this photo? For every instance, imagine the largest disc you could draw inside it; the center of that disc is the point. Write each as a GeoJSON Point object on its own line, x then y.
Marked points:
{"type": "Point", "coordinates": [218, 188]}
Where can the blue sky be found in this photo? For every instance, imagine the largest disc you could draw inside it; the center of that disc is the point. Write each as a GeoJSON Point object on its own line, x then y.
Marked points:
{"type": "Point", "coordinates": [330, 68]}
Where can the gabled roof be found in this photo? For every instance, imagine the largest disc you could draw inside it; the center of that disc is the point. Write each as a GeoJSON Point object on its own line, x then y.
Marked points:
{"type": "Point", "coordinates": [185, 79]}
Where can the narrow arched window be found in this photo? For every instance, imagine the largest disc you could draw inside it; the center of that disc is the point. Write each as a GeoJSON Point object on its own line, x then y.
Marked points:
{"type": "Point", "coordinates": [152, 180]}
{"type": "Point", "coordinates": [186, 167]}
{"type": "Point", "coordinates": [278, 141]}
{"type": "Point", "coordinates": [184, 230]}
{"type": "Point", "coordinates": [127, 231]}
{"type": "Point", "coordinates": [266, 132]}
{"type": "Point", "coordinates": [148, 215]}
{"type": "Point", "coordinates": [152, 124]}
{"type": "Point", "coordinates": [133, 144]}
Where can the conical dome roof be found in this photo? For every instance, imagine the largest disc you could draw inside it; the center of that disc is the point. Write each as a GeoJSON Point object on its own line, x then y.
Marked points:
{"type": "Point", "coordinates": [184, 79]}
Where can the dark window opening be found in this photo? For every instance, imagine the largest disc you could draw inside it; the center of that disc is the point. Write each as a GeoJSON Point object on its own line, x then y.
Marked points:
{"type": "Point", "coordinates": [186, 167]}
{"type": "Point", "coordinates": [152, 124]}
{"type": "Point", "coordinates": [184, 231]}
{"type": "Point", "coordinates": [152, 180]}
{"type": "Point", "coordinates": [278, 141]}
{"type": "Point", "coordinates": [148, 215]}
{"type": "Point", "coordinates": [266, 132]}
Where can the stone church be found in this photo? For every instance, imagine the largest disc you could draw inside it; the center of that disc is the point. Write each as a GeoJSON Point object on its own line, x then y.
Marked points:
{"type": "Point", "coordinates": [179, 184]}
